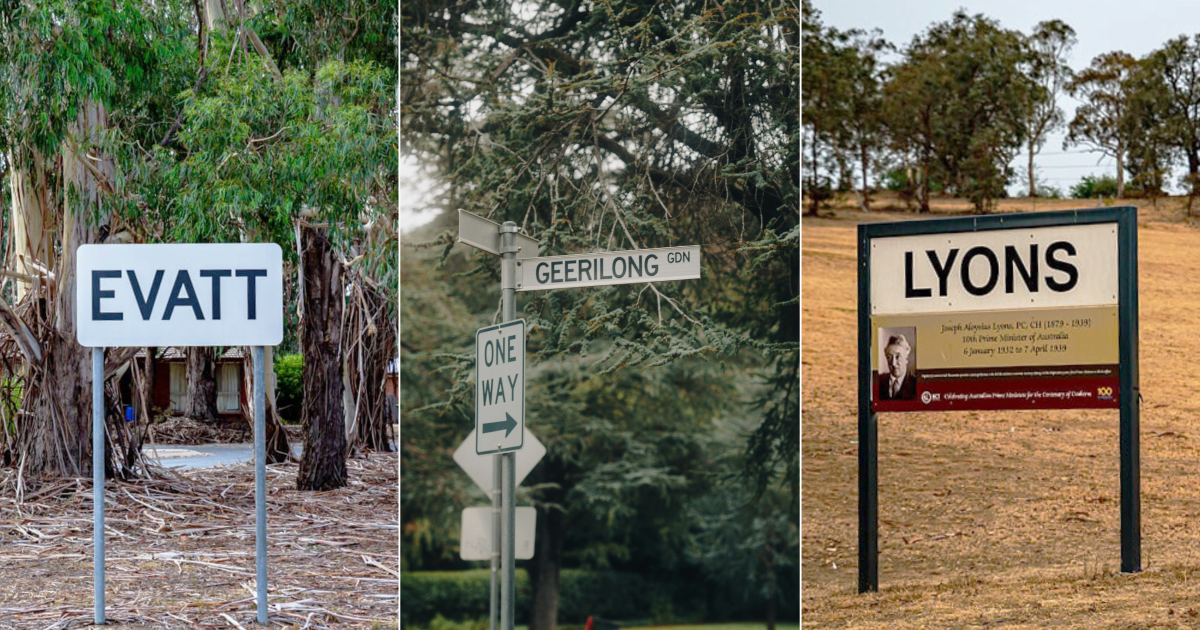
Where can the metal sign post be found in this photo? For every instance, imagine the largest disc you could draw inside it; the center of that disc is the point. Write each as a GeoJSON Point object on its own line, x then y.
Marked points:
{"type": "Point", "coordinates": [494, 609]}
{"type": "Point", "coordinates": [260, 479]}
{"type": "Point", "coordinates": [486, 472]}
{"type": "Point", "coordinates": [508, 313]}
{"type": "Point", "coordinates": [98, 482]}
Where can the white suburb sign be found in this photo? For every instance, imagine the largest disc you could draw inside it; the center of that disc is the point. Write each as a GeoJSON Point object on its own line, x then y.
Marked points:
{"type": "Point", "coordinates": [500, 388]}
{"type": "Point", "coordinates": [180, 295]}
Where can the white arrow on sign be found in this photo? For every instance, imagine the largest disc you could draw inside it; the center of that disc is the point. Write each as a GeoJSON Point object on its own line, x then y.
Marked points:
{"type": "Point", "coordinates": [479, 467]}
{"type": "Point", "coordinates": [475, 543]}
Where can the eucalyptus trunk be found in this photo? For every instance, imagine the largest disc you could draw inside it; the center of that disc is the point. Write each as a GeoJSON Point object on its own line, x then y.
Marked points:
{"type": "Point", "coordinates": [278, 448]}
{"type": "Point", "coordinates": [54, 436]}
{"type": "Point", "coordinates": [1120, 169]}
{"type": "Point", "coordinates": [201, 384]}
{"type": "Point", "coordinates": [33, 217]}
{"type": "Point", "coordinates": [1032, 178]}
{"type": "Point", "coordinates": [365, 362]}
{"type": "Point", "coordinates": [323, 464]}
{"type": "Point", "coordinates": [864, 156]}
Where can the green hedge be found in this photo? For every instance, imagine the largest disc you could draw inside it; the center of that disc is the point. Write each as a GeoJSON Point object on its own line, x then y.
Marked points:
{"type": "Point", "coordinates": [455, 595]}
{"type": "Point", "coordinates": [463, 595]}
{"type": "Point", "coordinates": [289, 385]}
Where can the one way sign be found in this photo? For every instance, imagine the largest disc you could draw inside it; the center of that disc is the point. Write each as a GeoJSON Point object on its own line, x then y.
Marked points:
{"type": "Point", "coordinates": [500, 388]}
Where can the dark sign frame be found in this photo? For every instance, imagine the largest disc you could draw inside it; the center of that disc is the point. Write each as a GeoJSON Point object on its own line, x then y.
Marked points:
{"type": "Point", "coordinates": [1125, 217]}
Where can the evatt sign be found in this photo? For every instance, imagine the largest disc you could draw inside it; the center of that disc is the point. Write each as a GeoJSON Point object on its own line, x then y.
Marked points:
{"type": "Point", "coordinates": [180, 295]}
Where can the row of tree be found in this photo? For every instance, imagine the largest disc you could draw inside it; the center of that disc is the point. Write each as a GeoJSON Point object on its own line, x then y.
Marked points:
{"type": "Point", "coordinates": [196, 121]}
{"type": "Point", "coordinates": [962, 101]}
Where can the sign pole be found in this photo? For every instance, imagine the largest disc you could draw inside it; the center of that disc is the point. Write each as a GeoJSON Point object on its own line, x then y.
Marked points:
{"type": "Point", "coordinates": [260, 479]}
{"type": "Point", "coordinates": [98, 481]}
{"type": "Point", "coordinates": [508, 313]}
{"type": "Point", "coordinates": [494, 609]}
{"type": "Point", "coordinates": [868, 435]}
{"type": "Point", "coordinates": [1131, 499]}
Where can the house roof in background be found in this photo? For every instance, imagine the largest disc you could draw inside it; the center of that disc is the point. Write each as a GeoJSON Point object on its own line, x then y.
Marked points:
{"type": "Point", "coordinates": [173, 353]}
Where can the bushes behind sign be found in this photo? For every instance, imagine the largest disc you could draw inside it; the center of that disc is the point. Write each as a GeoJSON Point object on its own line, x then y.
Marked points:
{"type": "Point", "coordinates": [289, 388]}
{"type": "Point", "coordinates": [463, 595]}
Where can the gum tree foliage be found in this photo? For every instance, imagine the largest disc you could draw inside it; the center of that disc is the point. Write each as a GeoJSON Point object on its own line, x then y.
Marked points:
{"type": "Point", "coordinates": [957, 103]}
{"type": "Point", "coordinates": [77, 79]}
{"type": "Point", "coordinates": [1170, 88]}
{"type": "Point", "coordinates": [273, 148]}
{"type": "Point", "coordinates": [621, 125]}
{"type": "Point", "coordinates": [1050, 43]}
{"type": "Point", "coordinates": [1101, 122]}
{"type": "Point", "coordinates": [842, 106]}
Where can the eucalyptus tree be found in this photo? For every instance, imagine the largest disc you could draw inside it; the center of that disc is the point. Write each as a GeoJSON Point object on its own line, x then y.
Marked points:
{"type": "Point", "coordinates": [1050, 42]}
{"type": "Point", "coordinates": [1105, 90]}
{"type": "Point", "coordinates": [842, 101]}
{"type": "Point", "coordinates": [623, 125]}
{"type": "Point", "coordinates": [958, 101]}
{"type": "Point", "coordinates": [822, 92]}
{"type": "Point", "coordinates": [1173, 88]}
{"type": "Point", "coordinates": [278, 150]}
{"type": "Point", "coordinates": [75, 78]}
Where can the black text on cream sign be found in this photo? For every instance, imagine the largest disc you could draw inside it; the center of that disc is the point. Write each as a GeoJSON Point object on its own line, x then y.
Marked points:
{"type": "Point", "coordinates": [178, 293]}
{"type": "Point", "coordinates": [502, 388]}
{"type": "Point", "coordinates": [983, 270]}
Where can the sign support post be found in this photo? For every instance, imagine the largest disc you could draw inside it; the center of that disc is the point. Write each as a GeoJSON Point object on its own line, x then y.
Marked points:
{"type": "Point", "coordinates": [868, 437]}
{"type": "Point", "coordinates": [494, 608]}
{"type": "Point", "coordinates": [1131, 483]}
{"type": "Point", "coordinates": [508, 313]}
{"type": "Point", "coordinates": [260, 479]}
{"type": "Point", "coordinates": [98, 482]}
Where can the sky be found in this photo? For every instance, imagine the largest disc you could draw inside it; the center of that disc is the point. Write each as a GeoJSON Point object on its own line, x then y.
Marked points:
{"type": "Point", "coordinates": [412, 190]}
{"type": "Point", "coordinates": [1100, 26]}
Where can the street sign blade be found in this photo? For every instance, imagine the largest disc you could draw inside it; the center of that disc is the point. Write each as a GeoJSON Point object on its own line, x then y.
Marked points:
{"type": "Point", "coordinates": [500, 388]}
{"type": "Point", "coordinates": [481, 233]}
{"type": "Point", "coordinates": [527, 247]}
{"type": "Point", "coordinates": [478, 232]}
{"type": "Point", "coordinates": [479, 467]}
{"type": "Point", "coordinates": [476, 540]}
{"type": "Point", "coordinates": [608, 268]}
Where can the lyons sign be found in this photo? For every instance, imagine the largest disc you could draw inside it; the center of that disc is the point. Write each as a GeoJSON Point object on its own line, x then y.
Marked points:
{"type": "Point", "coordinates": [1029, 311]}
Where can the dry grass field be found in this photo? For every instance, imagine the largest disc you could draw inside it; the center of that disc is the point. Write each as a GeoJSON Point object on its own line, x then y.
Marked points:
{"type": "Point", "coordinates": [1004, 519]}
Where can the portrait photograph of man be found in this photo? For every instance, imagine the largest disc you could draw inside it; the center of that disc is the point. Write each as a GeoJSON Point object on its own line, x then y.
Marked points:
{"type": "Point", "coordinates": [897, 376]}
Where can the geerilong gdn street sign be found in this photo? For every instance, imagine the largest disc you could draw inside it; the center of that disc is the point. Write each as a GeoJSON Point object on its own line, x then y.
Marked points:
{"type": "Point", "coordinates": [180, 295]}
{"type": "Point", "coordinates": [500, 388]}
{"type": "Point", "coordinates": [606, 268]}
